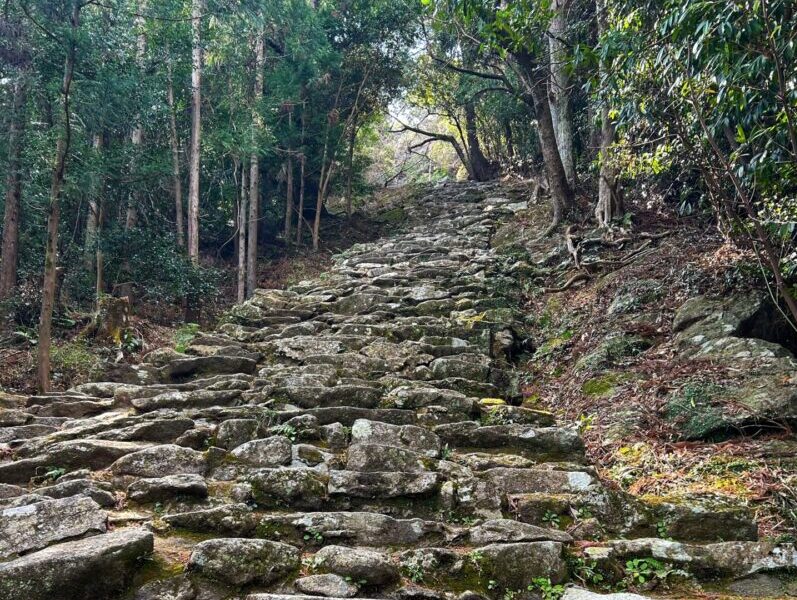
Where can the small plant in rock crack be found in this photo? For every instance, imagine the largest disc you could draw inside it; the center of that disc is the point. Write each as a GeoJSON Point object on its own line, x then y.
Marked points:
{"type": "Point", "coordinates": [358, 582]}
{"type": "Point", "coordinates": [551, 518]}
{"type": "Point", "coordinates": [641, 571]}
{"type": "Point", "coordinates": [313, 536]}
{"type": "Point", "coordinates": [509, 595]}
{"type": "Point", "coordinates": [663, 530]}
{"type": "Point", "coordinates": [414, 571]}
{"type": "Point", "coordinates": [446, 452]}
{"type": "Point", "coordinates": [477, 560]}
{"type": "Point", "coordinates": [52, 473]}
{"type": "Point", "coordinates": [583, 513]}
{"type": "Point", "coordinates": [457, 519]}
{"type": "Point", "coordinates": [546, 589]}
{"type": "Point", "coordinates": [289, 431]}
{"type": "Point", "coordinates": [587, 572]}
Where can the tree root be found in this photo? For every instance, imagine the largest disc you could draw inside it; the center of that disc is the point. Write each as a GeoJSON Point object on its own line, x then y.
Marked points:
{"type": "Point", "coordinates": [580, 276]}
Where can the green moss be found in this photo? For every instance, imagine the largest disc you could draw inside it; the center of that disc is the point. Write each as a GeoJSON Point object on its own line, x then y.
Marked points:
{"type": "Point", "coordinates": [394, 216]}
{"type": "Point", "coordinates": [601, 386]}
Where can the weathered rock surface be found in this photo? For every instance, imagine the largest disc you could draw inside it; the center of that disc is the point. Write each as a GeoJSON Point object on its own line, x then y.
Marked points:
{"type": "Point", "coordinates": [97, 567]}
{"type": "Point", "coordinates": [241, 561]}
{"type": "Point", "coordinates": [34, 526]}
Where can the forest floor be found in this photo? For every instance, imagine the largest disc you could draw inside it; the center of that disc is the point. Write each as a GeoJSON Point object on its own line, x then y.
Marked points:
{"type": "Point", "coordinates": [624, 407]}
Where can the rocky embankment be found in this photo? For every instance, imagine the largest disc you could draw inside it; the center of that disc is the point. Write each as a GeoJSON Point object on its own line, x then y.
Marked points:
{"type": "Point", "coordinates": [361, 434]}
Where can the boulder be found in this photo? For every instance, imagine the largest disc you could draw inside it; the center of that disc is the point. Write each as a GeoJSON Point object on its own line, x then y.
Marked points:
{"type": "Point", "coordinates": [267, 452]}
{"type": "Point", "coordinates": [361, 565]}
{"type": "Point", "coordinates": [234, 432]}
{"type": "Point", "coordinates": [375, 457]}
{"type": "Point", "coordinates": [327, 584]}
{"type": "Point", "coordinates": [159, 461]}
{"type": "Point", "coordinates": [418, 439]}
{"type": "Point", "coordinates": [239, 561]}
{"type": "Point", "coordinates": [98, 567]}
{"type": "Point", "coordinates": [165, 488]}
{"type": "Point", "coordinates": [35, 526]}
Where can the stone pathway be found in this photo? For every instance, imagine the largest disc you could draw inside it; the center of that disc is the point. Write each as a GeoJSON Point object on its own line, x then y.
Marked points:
{"type": "Point", "coordinates": [357, 435]}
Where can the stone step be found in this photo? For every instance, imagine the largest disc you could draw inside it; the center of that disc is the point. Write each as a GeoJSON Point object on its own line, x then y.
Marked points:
{"type": "Point", "coordinates": [97, 567]}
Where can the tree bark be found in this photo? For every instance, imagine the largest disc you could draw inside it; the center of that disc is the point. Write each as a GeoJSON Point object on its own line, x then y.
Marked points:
{"type": "Point", "coordinates": [561, 107]}
{"type": "Point", "coordinates": [242, 221]}
{"type": "Point", "coordinates": [177, 184]}
{"type": "Point", "coordinates": [10, 251]}
{"type": "Point", "coordinates": [610, 204]}
{"type": "Point", "coordinates": [254, 171]}
{"type": "Point", "coordinates": [137, 137]}
{"type": "Point", "coordinates": [90, 244]}
{"type": "Point", "coordinates": [535, 79]}
{"type": "Point", "coordinates": [288, 199]}
{"type": "Point", "coordinates": [197, 8]}
{"type": "Point", "coordinates": [54, 211]}
{"type": "Point", "coordinates": [350, 165]}
{"type": "Point", "coordinates": [480, 166]}
{"type": "Point", "coordinates": [300, 218]}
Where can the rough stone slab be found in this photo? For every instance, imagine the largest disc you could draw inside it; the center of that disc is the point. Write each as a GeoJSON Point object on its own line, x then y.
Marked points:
{"type": "Point", "coordinates": [289, 597]}
{"type": "Point", "coordinates": [98, 567]}
{"type": "Point", "coordinates": [360, 484]}
{"type": "Point", "coordinates": [238, 561]}
{"type": "Point", "coordinates": [160, 461]}
{"type": "Point", "coordinates": [576, 593]}
{"type": "Point", "coordinates": [69, 455]}
{"type": "Point", "coordinates": [356, 528]}
{"type": "Point", "coordinates": [35, 526]}
{"type": "Point", "coordinates": [164, 488]}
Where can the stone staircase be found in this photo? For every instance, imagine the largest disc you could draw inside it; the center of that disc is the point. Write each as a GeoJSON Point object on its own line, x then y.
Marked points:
{"type": "Point", "coordinates": [360, 434]}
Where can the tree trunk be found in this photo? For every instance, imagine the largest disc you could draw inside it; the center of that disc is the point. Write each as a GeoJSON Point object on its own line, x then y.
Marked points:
{"type": "Point", "coordinates": [174, 141]}
{"type": "Point", "coordinates": [350, 166]}
{"type": "Point", "coordinates": [99, 256]}
{"type": "Point", "coordinates": [197, 8]}
{"type": "Point", "coordinates": [137, 137]}
{"type": "Point", "coordinates": [480, 166]}
{"type": "Point", "coordinates": [510, 139]}
{"type": "Point", "coordinates": [535, 79]}
{"type": "Point", "coordinates": [10, 251]}
{"type": "Point", "coordinates": [610, 204]}
{"type": "Point", "coordinates": [242, 222]}
{"type": "Point", "coordinates": [300, 218]}
{"type": "Point", "coordinates": [54, 213]}
{"type": "Point", "coordinates": [288, 199]}
{"type": "Point", "coordinates": [561, 107]}
{"type": "Point", "coordinates": [254, 172]}
{"type": "Point", "coordinates": [90, 245]}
